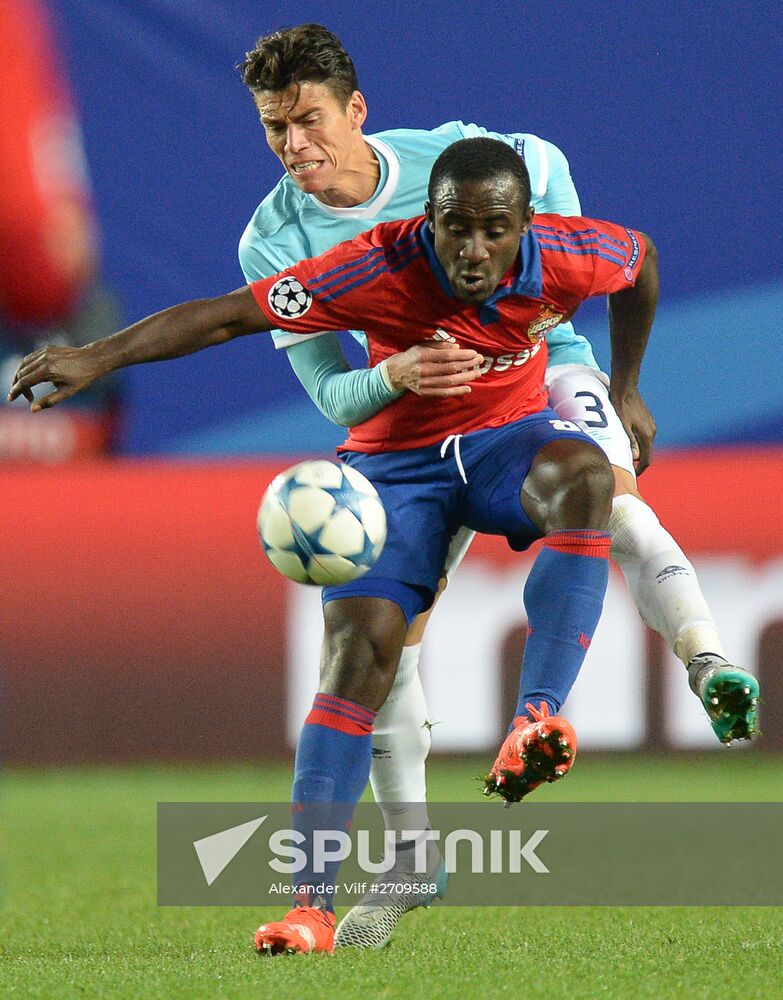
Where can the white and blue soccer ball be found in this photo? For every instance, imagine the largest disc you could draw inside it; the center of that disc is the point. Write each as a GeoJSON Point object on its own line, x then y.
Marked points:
{"type": "Point", "coordinates": [322, 523]}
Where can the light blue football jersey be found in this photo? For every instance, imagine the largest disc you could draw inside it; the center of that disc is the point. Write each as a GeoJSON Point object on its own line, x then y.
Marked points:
{"type": "Point", "coordinates": [289, 225]}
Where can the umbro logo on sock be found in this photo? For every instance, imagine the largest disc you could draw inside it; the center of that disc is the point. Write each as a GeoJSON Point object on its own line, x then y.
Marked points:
{"type": "Point", "coordinates": [380, 754]}
{"type": "Point", "coordinates": [669, 571]}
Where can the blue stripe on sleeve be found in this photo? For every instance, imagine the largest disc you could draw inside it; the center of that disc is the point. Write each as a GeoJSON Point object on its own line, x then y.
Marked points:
{"type": "Point", "coordinates": [343, 270]}
{"type": "Point", "coordinates": [622, 253]}
{"type": "Point", "coordinates": [341, 279]}
{"type": "Point", "coordinates": [370, 267]}
{"type": "Point", "coordinates": [583, 252]}
{"type": "Point", "coordinates": [413, 254]}
{"type": "Point", "coordinates": [578, 234]}
{"type": "Point", "coordinates": [362, 279]}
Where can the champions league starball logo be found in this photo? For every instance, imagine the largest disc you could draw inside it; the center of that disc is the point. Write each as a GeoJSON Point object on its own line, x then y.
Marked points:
{"type": "Point", "coordinates": [288, 298]}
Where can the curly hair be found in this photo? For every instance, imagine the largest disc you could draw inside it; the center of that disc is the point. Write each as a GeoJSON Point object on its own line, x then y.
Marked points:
{"type": "Point", "coordinates": [306, 53]}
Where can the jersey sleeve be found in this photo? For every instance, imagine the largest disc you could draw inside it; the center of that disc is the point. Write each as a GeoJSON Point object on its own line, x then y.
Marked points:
{"type": "Point", "coordinates": [344, 288]}
{"type": "Point", "coordinates": [344, 396]}
{"type": "Point", "coordinates": [260, 257]}
{"type": "Point", "coordinates": [589, 257]}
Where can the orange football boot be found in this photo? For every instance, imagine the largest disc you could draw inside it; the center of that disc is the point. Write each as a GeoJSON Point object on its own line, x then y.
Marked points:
{"type": "Point", "coordinates": [303, 930]}
{"type": "Point", "coordinates": [538, 749]}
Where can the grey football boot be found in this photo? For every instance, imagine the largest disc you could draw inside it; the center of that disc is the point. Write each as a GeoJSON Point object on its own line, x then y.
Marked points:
{"type": "Point", "coordinates": [371, 923]}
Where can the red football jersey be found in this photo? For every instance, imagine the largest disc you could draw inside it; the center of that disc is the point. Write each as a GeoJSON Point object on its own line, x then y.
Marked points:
{"type": "Point", "coordinates": [389, 283]}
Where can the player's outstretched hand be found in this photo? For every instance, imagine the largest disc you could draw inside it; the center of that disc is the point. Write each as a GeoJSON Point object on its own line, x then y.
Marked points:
{"type": "Point", "coordinates": [435, 368]}
{"type": "Point", "coordinates": [70, 369]}
{"type": "Point", "coordinates": [639, 425]}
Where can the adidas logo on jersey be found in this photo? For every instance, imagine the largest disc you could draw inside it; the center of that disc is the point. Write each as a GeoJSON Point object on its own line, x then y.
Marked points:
{"type": "Point", "coordinates": [443, 335]}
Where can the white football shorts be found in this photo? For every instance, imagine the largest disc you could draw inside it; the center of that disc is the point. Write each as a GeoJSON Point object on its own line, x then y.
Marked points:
{"type": "Point", "coordinates": [581, 393]}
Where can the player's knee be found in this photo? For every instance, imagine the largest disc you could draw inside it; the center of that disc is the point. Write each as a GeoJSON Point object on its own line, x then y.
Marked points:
{"type": "Point", "coordinates": [369, 644]}
{"type": "Point", "coordinates": [576, 489]}
{"type": "Point", "coordinates": [588, 490]}
{"type": "Point", "coordinates": [362, 643]}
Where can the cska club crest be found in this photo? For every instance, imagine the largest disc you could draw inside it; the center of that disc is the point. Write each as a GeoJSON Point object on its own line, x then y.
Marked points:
{"type": "Point", "coordinates": [547, 320]}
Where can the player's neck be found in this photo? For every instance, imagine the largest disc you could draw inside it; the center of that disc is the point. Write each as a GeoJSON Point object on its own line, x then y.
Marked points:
{"type": "Point", "coordinates": [357, 182]}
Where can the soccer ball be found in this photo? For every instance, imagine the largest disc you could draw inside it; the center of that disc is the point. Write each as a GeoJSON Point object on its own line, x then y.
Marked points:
{"type": "Point", "coordinates": [322, 523]}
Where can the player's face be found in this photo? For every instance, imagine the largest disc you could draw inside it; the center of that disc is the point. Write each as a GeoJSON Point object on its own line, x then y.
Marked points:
{"type": "Point", "coordinates": [312, 133]}
{"type": "Point", "coordinates": [477, 226]}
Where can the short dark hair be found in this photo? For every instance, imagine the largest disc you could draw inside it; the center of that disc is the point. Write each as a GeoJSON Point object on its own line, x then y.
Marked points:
{"type": "Point", "coordinates": [479, 160]}
{"type": "Point", "coordinates": [307, 53]}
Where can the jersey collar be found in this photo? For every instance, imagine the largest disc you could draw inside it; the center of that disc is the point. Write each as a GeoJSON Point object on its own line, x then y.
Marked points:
{"type": "Point", "coordinates": [383, 193]}
{"type": "Point", "coordinates": [527, 282]}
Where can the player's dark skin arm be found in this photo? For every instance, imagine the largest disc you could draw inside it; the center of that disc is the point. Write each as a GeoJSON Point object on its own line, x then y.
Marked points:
{"type": "Point", "coordinates": [172, 333]}
{"type": "Point", "coordinates": [427, 369]}
{"type": "Point", "coordinates": [631, 314]}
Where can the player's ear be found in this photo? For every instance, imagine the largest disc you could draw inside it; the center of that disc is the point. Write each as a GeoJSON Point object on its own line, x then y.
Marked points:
{"type": "Point", "coordinates": [357, 109]}
{"type": "Point", "coordinates": [529, 216]}
{"type": "Point", "coordinates": [428, 211]}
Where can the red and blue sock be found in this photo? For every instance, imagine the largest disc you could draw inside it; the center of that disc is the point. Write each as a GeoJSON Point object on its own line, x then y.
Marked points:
{"type": "Point", "coordinates": [564, 596]}
{"type": "Point", "coordinates": [331, 771]}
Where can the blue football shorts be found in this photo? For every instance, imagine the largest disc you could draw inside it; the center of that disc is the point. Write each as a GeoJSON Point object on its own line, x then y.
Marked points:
{"type": "Point", "coordinates": [470, 480]}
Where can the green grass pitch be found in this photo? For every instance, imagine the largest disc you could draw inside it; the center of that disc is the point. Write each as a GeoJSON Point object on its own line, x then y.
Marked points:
{"type": "Point", "coordinates": [80, 918]}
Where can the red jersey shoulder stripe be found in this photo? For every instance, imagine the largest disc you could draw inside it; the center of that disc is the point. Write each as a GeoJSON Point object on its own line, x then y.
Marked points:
{"type": "Point", "coordinates": [583, 252]}
{"type": "Point", "coordinates": [345, 277]}
{"type": "Point", "coordinates": [344, 271]}
{"type": "Point", "coordinates": [375, 252]}
{"type": "Point", "coordinates": [578, 234]}
{"type": "Point", "coordinates": [359, 279]}
{"type": "Point", "coordinates": [584, 245]}
{"type": "Point", "coordinates": [587, 243]}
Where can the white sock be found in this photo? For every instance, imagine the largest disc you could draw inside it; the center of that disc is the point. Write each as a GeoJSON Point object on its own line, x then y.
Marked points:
{"type": "Point", "coordinates": [661, 580]}
{"type": "Point", "coordinates": [400, 745]}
